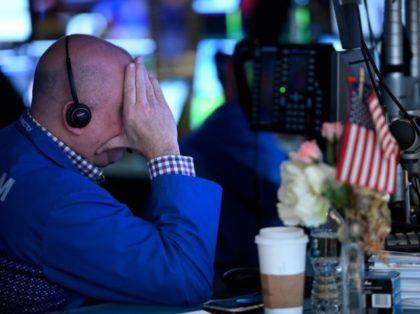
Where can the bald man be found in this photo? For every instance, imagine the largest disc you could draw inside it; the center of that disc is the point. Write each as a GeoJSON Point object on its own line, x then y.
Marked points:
{"type": "Point", "coordinates": [91, 102]}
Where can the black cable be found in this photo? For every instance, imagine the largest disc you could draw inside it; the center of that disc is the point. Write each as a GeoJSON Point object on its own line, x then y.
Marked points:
{"type": "Point", "coordinates": [406, 115]}
{"type": "Point", "coordinates": [372, 79]}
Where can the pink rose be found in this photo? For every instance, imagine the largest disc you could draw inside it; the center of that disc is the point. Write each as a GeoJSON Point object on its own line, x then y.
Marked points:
{"type": "Point", "coordinates": [309, 152]}
{"type": "Point", "coordinates": [331, 130]}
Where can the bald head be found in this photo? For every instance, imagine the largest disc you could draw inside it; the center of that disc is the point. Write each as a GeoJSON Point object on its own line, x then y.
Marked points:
{"type": "Point", "coordinates": [98, 70]}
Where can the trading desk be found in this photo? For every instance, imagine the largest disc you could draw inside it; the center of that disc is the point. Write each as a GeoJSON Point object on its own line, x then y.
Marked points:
{"type": "Point", "coordinates": [115, 308]}
{"type": "Point", "coordinates": [220, 292]}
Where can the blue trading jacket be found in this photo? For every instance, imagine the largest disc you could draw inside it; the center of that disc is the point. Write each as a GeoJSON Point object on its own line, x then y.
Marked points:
{"type": "Point", "coordinates": [88, 242]}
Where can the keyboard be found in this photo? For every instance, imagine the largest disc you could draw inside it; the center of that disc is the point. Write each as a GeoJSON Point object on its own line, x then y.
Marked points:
{"type": "Point", "coordinates": [403, 242]}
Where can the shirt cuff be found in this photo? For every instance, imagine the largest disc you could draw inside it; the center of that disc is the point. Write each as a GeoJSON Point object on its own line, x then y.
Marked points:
{"type": "Point", "coordinates": [171, 164]}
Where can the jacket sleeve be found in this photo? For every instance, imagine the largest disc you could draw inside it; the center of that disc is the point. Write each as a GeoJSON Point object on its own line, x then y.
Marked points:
{"type": "Point", "coordinates": [94, 245]}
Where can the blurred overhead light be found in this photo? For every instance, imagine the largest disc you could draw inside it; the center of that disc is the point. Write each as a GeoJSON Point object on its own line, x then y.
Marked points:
{"type": "Point", "coordinates": [15, 21]}
{"type": "Point", "coordinates": [215, 6]}
{"type": "Point", "coordinates": [87, 23]}
{"type": "Point", "coordinates": [136, 46]}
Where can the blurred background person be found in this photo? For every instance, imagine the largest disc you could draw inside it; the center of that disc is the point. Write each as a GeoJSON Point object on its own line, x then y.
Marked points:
{"type": "Point", "coordinates": [244, 161]}
{"type": "Point", "coordinates": [12, 103]}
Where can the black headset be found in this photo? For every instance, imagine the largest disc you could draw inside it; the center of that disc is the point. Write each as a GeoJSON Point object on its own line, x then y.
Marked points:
{"type": "Point", "coordinates": [78, 115]}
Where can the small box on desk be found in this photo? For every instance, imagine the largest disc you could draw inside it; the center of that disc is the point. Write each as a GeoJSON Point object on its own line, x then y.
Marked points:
{"type": "Point", "coordinates": [383, 292]}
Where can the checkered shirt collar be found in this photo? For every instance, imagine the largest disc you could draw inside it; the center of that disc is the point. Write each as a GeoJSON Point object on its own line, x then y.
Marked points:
{"type": "Point", "coordinates": [85, 167]}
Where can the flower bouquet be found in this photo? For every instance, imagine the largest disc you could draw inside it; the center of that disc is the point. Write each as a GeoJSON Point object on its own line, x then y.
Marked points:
{"type": "Point", "coordinates": [310, 188]}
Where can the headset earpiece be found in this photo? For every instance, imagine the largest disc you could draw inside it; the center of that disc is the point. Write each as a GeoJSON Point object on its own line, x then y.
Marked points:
{"type": "Point", "coordinates": [78, 115]}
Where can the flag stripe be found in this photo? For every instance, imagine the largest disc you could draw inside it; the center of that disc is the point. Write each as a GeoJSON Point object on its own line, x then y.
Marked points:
{"type": "Point", "coordinates": [387, 142]}
{"type": "Point", "coordinates": [371, 168]}
{"type": "Point", "coordinates": [382, 174]}
{"type": "Point", "coordinates": [349, 142]}
{"type": "Point", "coordinates": [367, 158]}
{"type": "Point", "coordinates": [357, 155]}
{"type": "Point", "coordinates": [391, 182]}
{"type": "Point", "coordinates": [375, 165]}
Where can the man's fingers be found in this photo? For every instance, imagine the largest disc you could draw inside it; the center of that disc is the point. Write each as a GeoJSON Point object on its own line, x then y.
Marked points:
{"type": "Point", "coordinates": [140, 82]}
{"type": "Point", "coordinates": [151, 98]}
{"type": "Point", "coordinates": [130, 85]}
{"type": "Point", "coordinates": [156, 89]}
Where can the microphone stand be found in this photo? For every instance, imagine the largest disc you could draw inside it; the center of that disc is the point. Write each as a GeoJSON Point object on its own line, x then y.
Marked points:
{"type": "Point", "coordinates": [404, 84]}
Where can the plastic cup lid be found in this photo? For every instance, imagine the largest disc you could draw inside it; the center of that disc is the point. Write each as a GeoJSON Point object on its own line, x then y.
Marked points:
{"type": "Point", "coordinates": [272, 235]}
{"type": "Point", "coordinates": [281, 232]}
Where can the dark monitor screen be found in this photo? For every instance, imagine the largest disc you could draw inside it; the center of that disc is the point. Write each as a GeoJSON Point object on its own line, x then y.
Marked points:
{"type": "Point", "coordinates": [285, 88]}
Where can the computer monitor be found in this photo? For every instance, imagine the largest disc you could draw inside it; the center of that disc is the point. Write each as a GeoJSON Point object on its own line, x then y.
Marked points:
{"type": "Point", "coordinates": [285, 88]}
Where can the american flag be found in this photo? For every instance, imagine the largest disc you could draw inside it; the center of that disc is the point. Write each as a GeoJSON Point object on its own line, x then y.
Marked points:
{"type": "Point", "coordinates": [369, 153]}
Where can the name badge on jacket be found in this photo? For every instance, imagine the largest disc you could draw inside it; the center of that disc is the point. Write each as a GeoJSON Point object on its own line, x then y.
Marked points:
{"type": "Point", "coordinates": [6, 185]}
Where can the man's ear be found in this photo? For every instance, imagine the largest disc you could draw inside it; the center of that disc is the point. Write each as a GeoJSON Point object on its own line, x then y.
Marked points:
{"type": "Point", "coordinates": [67, 125]}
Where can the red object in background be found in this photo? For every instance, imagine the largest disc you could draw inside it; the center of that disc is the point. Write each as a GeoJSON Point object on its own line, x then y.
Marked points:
{"type": "Point", "coordinates": [369, 154]}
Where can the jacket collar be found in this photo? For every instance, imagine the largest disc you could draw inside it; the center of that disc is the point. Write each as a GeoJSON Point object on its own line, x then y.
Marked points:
{"type": "Point", "coordinates": [54, 149]}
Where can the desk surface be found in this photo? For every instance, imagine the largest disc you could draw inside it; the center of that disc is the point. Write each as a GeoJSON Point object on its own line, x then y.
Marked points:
{"type": "Point", "coordinates": [120, 308]}
{"type": "Point", "coordinates": [112, 308]}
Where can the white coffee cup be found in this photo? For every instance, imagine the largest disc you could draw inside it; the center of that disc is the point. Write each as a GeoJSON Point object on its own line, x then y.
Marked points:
{"type": "Point", "coordinates": [282, 253]}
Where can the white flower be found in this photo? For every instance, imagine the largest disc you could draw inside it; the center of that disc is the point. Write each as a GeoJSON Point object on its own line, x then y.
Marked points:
{"type": "Point", "coordinates": [316, 174]}
{"type": "Point", "coordinates": [293, 183]}
{"type": "Point", "coordinates": [300, 194]}
{"type": "Point", "coordinates": [312, 209]}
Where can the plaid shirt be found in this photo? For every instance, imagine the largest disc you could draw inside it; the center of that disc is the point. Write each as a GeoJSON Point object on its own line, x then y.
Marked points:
{"type": "Point", "coordinates": [171, 164]}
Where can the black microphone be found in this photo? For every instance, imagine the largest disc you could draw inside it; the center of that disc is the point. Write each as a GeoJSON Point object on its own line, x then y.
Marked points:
{"type": "Point", "coordinates": [348, 22]}
{"type": "Point", "coordinates": [395, 68]}
{"type": "Point", "coordinates": [403, 132]}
